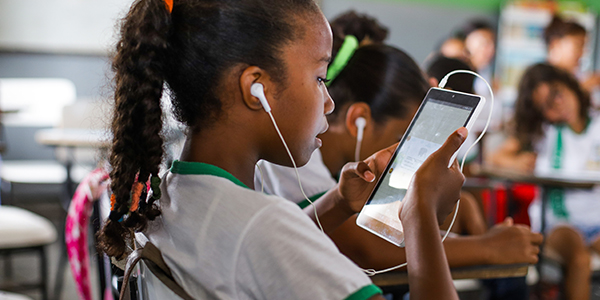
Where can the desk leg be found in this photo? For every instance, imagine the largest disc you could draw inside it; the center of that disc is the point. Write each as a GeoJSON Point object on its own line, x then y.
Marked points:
{"type": "Point", "coordinates": [66, 201]}
{"type": "Point", "coordinates": [69, 184]}
{"type": "Point", "coordinates": [543, 206]}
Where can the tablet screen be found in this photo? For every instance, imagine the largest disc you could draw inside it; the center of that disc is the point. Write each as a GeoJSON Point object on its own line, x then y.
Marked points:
{"type": "Point", "coordinates": [435, 120]}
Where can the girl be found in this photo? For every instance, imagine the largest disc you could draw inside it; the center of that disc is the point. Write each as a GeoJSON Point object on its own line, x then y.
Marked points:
{"type": "Point", "coordinates": [556, 131]}
{"type": "Point", "coordinates": [221, 239]}
{"type": "Point", "coordinates": [385, 86]}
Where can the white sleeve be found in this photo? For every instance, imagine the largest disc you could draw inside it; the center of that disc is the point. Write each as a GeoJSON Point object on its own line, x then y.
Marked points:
{"type": "Point", "coordinates": [283, 255]}
{"type": "Point", "coordinates": [282, 181]}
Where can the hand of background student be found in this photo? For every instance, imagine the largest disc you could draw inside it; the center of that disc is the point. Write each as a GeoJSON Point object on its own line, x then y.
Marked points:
{"type": "Point", "coordinates": [507, 243]}
{"type": "Point", "coordinates": [358, 179]}
{"type": "Point", "coordinates": [435, 188]}
{"type": "Point", "coordinates": [524, 162]}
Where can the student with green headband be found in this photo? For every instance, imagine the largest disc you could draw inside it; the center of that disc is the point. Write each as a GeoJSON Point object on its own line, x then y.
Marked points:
{"type": "Point", "coordinates": [384, 86]}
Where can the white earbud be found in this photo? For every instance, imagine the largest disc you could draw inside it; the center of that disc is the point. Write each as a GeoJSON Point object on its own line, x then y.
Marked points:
{"type": "Point", "coordinates": [257, 90]}
{"type": "Point", "coordinates": [360, 123]}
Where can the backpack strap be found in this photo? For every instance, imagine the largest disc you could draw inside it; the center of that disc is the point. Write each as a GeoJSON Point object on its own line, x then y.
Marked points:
{"type": "Point", "coordinates": [156, 264]}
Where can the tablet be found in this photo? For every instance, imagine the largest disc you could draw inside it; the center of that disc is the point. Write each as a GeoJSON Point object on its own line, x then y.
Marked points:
{"type": "Point", "coordinates": [440, 114]}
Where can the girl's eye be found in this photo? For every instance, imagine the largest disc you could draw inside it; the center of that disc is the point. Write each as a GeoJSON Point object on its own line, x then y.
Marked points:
{"type": "Point", "coordinates": [322, 80]}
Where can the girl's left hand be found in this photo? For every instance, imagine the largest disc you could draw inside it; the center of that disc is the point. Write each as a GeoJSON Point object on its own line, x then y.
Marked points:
{"type": "Point", "coordinates": [358, 179]}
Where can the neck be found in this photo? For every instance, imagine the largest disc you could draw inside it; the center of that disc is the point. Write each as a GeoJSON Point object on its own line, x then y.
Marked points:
{"type": "Point", "coordinates": [559, 63]}
{"type": "Point", "coordinates": [225, 149]}
{"type": "Point", "coordinates": [578, 126]}
{"type": "Point", "coordinates": [335, 141]}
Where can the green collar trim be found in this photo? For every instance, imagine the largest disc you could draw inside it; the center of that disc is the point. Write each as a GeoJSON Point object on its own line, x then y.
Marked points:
{"type": "Point", "coordinates": [364, 293]}
{"type": "Point", "coordinates": [585, 129]}
{"type": "Point", "coordinates": [312, 198]}
{"type": "Point", "coordinates": [198, 168]}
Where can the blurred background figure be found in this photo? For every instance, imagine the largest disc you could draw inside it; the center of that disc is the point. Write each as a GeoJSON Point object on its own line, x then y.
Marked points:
{"type": "Point", "coordinates": [454, 47]}
{"type": "Point", "coordinates": [565, 41]}
{"type": "Point", "coordinates": [480, 44]}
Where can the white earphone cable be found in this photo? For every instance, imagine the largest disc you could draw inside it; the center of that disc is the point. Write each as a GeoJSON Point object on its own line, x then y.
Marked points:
{"type": "Point", "coordinates": [357, 149]}
{"type": "Point", "coordinates": [296, 170]}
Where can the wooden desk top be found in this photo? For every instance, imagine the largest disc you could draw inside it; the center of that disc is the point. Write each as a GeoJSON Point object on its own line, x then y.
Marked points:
{"type": "Point", "coordinates": [73, 137]}
{"type": "Point", "coordinates": [473, 272]}
{"type": "Point", "coordinates": [585, 180]}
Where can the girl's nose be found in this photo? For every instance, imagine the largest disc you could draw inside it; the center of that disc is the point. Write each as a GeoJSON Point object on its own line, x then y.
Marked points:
{"type": "Point", "coordinates": [329, 104]}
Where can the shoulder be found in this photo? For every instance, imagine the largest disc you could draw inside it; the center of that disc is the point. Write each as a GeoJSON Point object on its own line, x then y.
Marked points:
{"type": "Point", "coordinates": [594, 126]}
{"type": "Point", "coordinates": [293, 257]}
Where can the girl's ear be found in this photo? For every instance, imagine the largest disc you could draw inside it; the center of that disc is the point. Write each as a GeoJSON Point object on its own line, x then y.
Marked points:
{"type": "Point", "coordinates": [356, 110]}
{"type": "Point", "coordinates": [250, 75]}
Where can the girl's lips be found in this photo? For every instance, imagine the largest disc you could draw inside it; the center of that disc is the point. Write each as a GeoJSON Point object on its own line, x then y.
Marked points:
{"type": "Point", "coordinates": [324, 128]}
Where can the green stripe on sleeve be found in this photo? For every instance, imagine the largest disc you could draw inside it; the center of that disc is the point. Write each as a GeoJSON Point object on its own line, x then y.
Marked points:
{"type": "Point", "coordinates": [365, 292]}
{"type": "Point", "coordinates": [312, 198]}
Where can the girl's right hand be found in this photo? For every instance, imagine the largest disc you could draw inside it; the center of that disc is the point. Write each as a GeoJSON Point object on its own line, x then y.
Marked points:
{"type": "Point", "coordinates": [435, 188]}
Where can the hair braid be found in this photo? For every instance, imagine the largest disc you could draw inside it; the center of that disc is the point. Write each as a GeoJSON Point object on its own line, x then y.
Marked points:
{"type": "Point", "coordinates": [188, 49]}
{"type": "Point", "coordinates": [137, 148]}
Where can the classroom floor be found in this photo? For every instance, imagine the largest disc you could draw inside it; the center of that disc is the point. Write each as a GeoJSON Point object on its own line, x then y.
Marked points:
{"type": "Point", "coordinates": [25, 266]}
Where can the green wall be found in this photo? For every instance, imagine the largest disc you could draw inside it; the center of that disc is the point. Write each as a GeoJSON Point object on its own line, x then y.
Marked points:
{"type": "Point", "coordinates": [487, 5]}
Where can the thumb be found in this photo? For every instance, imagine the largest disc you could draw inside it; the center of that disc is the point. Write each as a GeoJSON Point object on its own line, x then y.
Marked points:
{"type": "Point", "coordinates": [453, 142]}
{"type": "Point", "coordinates": [508, 221]}
{"type": "Point", "coordinates": [360, 169]}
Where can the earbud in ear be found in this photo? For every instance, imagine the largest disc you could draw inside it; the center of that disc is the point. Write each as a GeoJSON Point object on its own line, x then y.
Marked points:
{"type": "Point", "coordinates": [258, 90]}
{"type": "Point", "coordinates": [360, 123]}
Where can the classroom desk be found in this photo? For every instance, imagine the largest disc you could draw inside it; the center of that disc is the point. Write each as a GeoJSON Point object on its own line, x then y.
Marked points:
{"type": "Point", "coordinates": [581, 180]}
{"type": "Point", "coordinates": [545, 181]}
{"type": "Point", "coordinates": [472, 272]}
{"type": "Point", "coordinates": [71, 138]}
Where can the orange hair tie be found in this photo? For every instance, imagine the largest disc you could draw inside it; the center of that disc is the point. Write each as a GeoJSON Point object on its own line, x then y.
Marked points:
{"type": "Point", "coordinates": [169, 5]}
{"type": "Point", "coordinates": [113, 202]}
{"type": "Point", "coordinates": [136, 195]}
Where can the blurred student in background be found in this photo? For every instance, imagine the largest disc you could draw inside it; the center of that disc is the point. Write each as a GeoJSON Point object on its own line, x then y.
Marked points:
{"type": "Point", "coordinates": [454, 47]}
{"type": "Point", "coordinates": [556, 131]}
{"type": "Point", "coordinates": [480, 42]}
{"type": "Point", "coordinates": [565, 41]}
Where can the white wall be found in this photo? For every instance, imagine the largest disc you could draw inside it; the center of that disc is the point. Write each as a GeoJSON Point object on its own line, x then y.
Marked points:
{"type": "Point", "coordinates": [415, 28]}
{"type": "Point", "coordinates": [59, 26]}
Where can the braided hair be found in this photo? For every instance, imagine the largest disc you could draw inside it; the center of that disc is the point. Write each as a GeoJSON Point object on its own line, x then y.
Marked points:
{"type": "Point", "coordinates": [183, 47]}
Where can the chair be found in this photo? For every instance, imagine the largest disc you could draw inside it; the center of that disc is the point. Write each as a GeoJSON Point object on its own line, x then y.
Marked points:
{"type": "Point", "coordinates": [23, 231]}
{"type": "Point", "coordinates": [12, 296]}
{"type": "Point", "coordinates": [93, 187]}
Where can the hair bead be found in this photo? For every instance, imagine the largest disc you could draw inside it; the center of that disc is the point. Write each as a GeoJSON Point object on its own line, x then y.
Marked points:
{"type": "Point", "coordinates": [169, 5]}
{"type": "Point", "coordinates": [135, 196]}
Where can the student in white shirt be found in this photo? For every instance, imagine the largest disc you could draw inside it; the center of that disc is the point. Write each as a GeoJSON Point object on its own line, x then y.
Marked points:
{"type": "Point", "coordinates": [555, 131]}
{"type": "Point", "coordinates": [221, 239]}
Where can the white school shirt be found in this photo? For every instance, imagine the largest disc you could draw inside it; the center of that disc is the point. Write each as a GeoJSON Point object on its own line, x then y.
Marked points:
{"type": "Point", "coordinates": [580, 157]}
{"type": "Point", "coordinates": [223, 240]}
{"type": "Point", "coordinates": [282, 181]}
